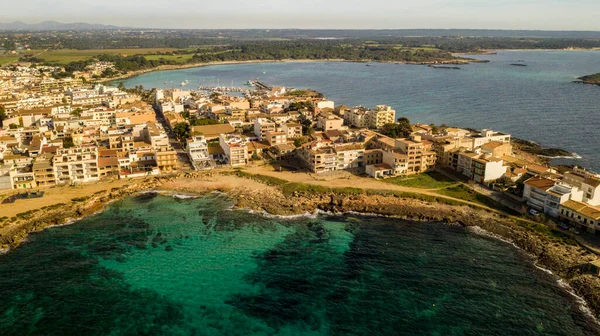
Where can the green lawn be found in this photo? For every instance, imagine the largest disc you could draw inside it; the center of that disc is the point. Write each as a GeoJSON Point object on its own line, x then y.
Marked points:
{"type": "Point", "coordinates": [7, 59]}
{"type": "Point", "coordinates": [429, 180]}
{"type": "Point", "coordinates": [463, 193]}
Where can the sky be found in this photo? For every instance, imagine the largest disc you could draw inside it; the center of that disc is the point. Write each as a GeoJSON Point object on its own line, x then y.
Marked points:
{"type": "Point", "coordinates": [314, 14]}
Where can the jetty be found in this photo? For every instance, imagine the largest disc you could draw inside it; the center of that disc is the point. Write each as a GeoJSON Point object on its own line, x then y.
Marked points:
{"type": "Point", "coordinates": [262, 86]}
{"type": "Point", "coordinates": [444, 67]}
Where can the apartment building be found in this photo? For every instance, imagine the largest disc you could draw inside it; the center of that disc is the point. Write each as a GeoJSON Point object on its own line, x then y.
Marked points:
{"type": "Point", "coordinates": [323, 104]}
{"type": "Point", "coordinates": [292, 130]}
{"type": "Point", "coordinates": [373, 157]}
{"type": "Point", "coordinates": [166, 160]}
{"type": "Point", "coordinates": [586, 181]}
{"type": "Point", "coordinates": [108, 163]}
{"type": "Point", "coordinates": [235, 149]}
{"type": "Point", "coordinates": [487, 135]}
{"type": "Point", "coordinates": [350, 156]}
{"type": "Point", "coordinates": [356, 117]}
{"type": "Point", "coordinates": [22, 177]}
{"type": "Point", "coordinates": [276, 138]}
{"type": "Point", "coordinates": [380, 116]}
{"type": "Point", "coordinates": [497, 149]}
{"type": "Point", "coordinates": [47, 85]}
{"type": "Point", "coordinates": [397, 162]}
{"type": "Point", "coordinates": [77, 164]}
{"type": "Point", "coordinates": [318, 159]}
{"type": "Point", "coordinates": [421, 157]}
{"type": "Point", "coordinates": [487, 169]}
{"type": "Point", "coordinates": [197, 151]}
{"type": "Point", "coordinates": [362, 117]}
{"type": "Point", "coordinates": [581, 215]}
{"type": "Point", "coordinates": [329, 121]}
{"type": "Point", "coordinates": [43, 171]}
{"type": "Point", "coordinates": [262, 126]}
{"type": "Point", "coordinates": [546, 195]}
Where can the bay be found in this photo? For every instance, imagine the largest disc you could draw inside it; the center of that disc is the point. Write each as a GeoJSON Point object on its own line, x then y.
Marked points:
{"type": "Point", "coordinates": [158, 265]}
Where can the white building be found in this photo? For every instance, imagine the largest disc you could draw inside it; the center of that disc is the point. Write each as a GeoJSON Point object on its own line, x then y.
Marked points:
{"type": "Point", "coordinates": [547, 195]}
{"type": "Point", "coordinates": [78, 164]}
{"type": "Point", "coordinates": [322, 104]}
{"type": "Point", "coordinates": [487, 135]}
{"type": "Point", "coordinates": [197, 150]}
{"type": "Point", "coordinates": [235, 149]}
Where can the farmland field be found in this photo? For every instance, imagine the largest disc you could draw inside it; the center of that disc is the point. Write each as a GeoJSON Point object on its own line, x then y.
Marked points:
{"type": "Point", "coordinates": [65, 56]}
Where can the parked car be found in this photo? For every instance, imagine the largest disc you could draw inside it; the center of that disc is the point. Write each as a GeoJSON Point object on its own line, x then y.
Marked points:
{"type": "Point", "coordinates": [563, 225]}
{"type": "Point", "coordinates": [534, 212]}
{"type": "Point", "coordinates": [576, 231]}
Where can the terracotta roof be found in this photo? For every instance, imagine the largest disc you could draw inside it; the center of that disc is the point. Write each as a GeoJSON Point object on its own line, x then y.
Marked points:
{"type": "Point", "coordinates": [540, 183]}
{"type": "Point", "coordinates": [285, 147]}
{"type": "Point", "coordinates": [594, 182]}
{"type": "Point", "coordinates": [50, 149]}
{"type": "Point", "coordinates": [110, 161]}
{"type": "Point", "coordinates": [213, 130]}
{"type": "Point", "coordinates": [492, 145]}
{"type": "Point", "coordinates": [537, 168]}
{"type": "Point", "coordinates": [582, 208]}
{"type": "Point", "coordinates": [382, 166]}
{"type": "Point", "coordinates": [107, 152]}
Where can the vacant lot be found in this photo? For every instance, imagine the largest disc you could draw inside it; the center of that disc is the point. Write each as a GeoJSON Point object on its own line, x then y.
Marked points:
{"type": "Point", "coordinates": [430, 180]}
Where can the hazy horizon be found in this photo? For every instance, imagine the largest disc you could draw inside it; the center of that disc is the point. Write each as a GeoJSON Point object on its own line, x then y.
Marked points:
{"type": "Point", "coordinates": [578, 15]}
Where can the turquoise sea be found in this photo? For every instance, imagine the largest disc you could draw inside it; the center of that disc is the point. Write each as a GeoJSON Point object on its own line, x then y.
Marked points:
{"type": "Point", "coordinates": [538, 102]}
{"type": "Point", "coordinates": [159, 265]}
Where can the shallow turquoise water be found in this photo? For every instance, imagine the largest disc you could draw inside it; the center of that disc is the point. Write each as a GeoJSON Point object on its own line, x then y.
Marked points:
{"type": "Point", "coordinates": [157, 265]}
{"type": "Point", "coordinates": [538, 102]}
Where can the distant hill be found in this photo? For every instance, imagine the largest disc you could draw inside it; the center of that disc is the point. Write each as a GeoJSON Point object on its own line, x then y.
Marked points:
{"type": "Point", "coordinates": [54, 25]}
{"type": "Point", "coordinates": [382, 33]}
{"type": "Point", "coordinates": [315, 33]}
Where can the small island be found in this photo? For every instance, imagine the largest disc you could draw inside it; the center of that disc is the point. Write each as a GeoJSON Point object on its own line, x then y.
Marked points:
{"type": "Point", "coordinates": [590, 79]}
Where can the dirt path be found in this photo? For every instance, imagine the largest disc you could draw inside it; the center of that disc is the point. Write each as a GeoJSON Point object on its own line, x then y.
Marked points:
{"type": "Point", "coordinates": [349, 180]}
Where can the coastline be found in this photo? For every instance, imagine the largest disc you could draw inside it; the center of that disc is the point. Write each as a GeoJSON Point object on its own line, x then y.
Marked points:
{"type": "Point", "coordinates": [562, 258]}
{"type": "Point", "coordinates": [200, 65]}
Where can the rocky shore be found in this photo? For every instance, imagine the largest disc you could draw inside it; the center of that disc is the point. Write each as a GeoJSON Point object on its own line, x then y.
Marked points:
{"type": "Point", "coordinates": [589, 79]}
{"type": "Point", "coordinates": [14, 231]}
{"type": "Point", "coordinates": [563, 258]}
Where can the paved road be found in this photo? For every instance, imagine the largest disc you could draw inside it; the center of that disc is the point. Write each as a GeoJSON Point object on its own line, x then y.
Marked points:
{"type": "Point", "coordinates": [184, 161]}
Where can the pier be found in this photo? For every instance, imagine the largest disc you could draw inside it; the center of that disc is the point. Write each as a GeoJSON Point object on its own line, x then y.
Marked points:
{"type": "Point", "coordinates": [262, 86]}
